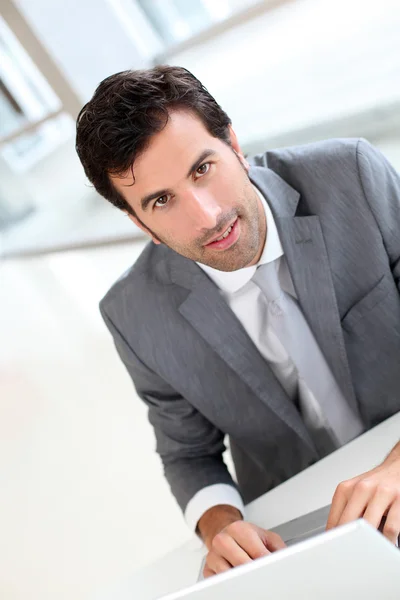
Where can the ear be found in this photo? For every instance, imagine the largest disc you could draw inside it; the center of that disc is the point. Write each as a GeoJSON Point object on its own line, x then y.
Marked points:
{"type": "Point", "coordinates": [236, 148]}
{"type": "Point", "coordinates": [139, 224]}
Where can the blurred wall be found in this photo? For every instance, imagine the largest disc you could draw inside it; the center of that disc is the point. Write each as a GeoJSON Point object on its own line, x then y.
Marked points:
{"type": "Point", "coordinates": [75, 45]}
{"type": "Point", "coordinates": [87, 38]}
{"type": "Point", "coordinates": [304, 65]}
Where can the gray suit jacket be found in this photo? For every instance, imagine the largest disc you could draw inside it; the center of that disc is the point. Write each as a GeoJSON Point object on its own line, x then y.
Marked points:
{"type": "Point", "coordinates": [337, 209]}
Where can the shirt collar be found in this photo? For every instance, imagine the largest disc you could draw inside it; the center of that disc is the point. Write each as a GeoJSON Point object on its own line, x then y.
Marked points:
{"type": "Point", "coordinates": [232, 281]}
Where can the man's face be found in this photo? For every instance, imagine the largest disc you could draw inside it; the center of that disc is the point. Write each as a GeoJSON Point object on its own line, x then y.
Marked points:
{"type": "Point", "coordinates": [190, 188]}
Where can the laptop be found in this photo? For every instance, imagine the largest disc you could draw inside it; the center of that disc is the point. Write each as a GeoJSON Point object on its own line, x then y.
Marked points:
{"type": "Point", "coordinates": [299, 529]}
{"type": "Point", "coordinates": [304, 527]}
{"type": "Point", "coordinates": [351, 561]}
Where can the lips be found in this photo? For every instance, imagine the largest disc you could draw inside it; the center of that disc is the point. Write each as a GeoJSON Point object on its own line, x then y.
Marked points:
{"type": "Point", "coordinates": [228, 238]}
{"type": "Point", "coordinates": [224, 234]}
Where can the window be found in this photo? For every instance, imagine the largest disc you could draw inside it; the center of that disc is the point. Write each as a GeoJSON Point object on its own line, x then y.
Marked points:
{"type": "Point", "coordinates": [178, 20]}
{"type": "Point", "coordinates": [31, 117]}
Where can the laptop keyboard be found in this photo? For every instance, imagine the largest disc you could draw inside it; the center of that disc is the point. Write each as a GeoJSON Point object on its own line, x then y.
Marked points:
{"type": "Point", "coordinates": [304, 536]}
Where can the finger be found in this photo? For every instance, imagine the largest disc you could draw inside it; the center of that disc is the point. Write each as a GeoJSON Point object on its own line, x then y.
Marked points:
{"type": "Point", "coordinates": [225, 546]}
{"type": "Point", "coordinates": [378, 506]}
{"type": "Point", "coordinates": [216, 564]}
{"type": "Point", "coordinates": [391, 529]}
{"type": "Point", "coordinates": [339, 502]}
{"type": "Point", "coordinates": [256, 542]}
{"type": "Point", "coordinates": [250, 539]}
{"type": "Point", "coordinates": [207, 572]}
{"type": "Point", "coordinates": [361, 496]}
{"type": "Point", "coordinates": [273, 541]}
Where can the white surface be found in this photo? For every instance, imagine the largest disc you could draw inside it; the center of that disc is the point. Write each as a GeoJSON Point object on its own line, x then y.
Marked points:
{"type": "Point", "coordinates": [331, 566]}
{"type": "Point", "coordinates": [83, 501]}
{"type": "Point", "coordinates": [307, 491]}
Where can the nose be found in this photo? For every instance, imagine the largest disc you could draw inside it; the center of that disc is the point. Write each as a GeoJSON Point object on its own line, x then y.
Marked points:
{"type": "Point", "coordinates": [202, 209]}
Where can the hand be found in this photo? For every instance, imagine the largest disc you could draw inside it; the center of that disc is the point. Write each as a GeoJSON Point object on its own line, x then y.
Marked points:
{"type": "Point", "coordinates": [373, 496]}
{"type": "Point", "coordinates": [237, 544]}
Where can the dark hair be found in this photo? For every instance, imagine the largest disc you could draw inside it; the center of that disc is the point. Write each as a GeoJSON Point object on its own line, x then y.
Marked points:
{"type": "Point", "coordinates": [126, 110]}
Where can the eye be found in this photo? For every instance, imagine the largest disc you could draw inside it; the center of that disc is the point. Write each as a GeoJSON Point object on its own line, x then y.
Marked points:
{"type": "Point", "coordinates": [161, 201]}
{"type": "Point", "coordinates": [203, 169]}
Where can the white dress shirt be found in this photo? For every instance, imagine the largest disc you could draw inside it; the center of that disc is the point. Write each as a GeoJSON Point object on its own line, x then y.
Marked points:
{"type": "Point", "coordinates": [249, 304]}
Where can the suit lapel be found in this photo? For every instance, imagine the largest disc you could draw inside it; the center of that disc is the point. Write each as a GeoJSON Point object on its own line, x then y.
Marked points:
{"type": "Point", "coordinates": [308, 263]}
{"type": "Point", "coordinates": [305, 250]}
{"type": "Point", "coordinates": [207, 311]}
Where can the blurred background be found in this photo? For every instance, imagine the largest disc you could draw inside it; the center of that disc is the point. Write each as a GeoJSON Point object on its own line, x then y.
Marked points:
{"type": "Point", "coordinates": [83, 501]}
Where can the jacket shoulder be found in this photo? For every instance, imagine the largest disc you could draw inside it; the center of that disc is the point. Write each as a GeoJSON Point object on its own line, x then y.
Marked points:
{"type": "Point", "coordinates": [309, 154]}
{"type": "Point", "coordinates": [317, 168]}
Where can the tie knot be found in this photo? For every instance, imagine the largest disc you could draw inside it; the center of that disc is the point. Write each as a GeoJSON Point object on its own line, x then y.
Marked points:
{"type": "Point", "coordinates": [266, 278]}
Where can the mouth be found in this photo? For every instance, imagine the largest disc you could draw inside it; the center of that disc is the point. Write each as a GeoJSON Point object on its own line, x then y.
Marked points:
{"type": "Point", "coordinates": [227, 238]}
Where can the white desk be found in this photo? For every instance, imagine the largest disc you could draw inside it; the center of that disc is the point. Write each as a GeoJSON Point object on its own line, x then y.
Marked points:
{"type": "Point", "coordinates": [307, 491]}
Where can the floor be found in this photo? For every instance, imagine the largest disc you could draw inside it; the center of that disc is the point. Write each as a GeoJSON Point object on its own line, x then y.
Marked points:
{"type": "Point", "coordinates": [83, 501]}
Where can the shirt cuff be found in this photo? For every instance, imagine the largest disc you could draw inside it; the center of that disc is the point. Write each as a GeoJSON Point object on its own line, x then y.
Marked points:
{"type": "Point", "coordinates": [212, 495]}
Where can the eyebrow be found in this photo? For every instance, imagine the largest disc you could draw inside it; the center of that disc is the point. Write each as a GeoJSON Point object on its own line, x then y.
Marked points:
{"type": "Point", "coordinates": [153, 196]}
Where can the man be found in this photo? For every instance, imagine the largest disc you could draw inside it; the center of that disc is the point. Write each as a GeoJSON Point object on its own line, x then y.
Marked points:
{"type": "Point", "coordinates": [266, 307]}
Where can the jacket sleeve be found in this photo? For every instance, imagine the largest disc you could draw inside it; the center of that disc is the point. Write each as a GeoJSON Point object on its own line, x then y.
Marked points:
{"type": "Point", "coordinates": [381, 187]}
{"type": "Point", "coordinates": [189, 445]}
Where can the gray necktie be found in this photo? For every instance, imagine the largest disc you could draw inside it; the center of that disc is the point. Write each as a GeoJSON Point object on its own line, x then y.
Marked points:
{"type": "Point", "coordinates": [325, 412]}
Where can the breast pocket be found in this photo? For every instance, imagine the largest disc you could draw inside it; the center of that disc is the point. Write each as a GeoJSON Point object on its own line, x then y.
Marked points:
{"type": "Point", "coordinates": [369, 304]}
{"type": "Point", "coordinates": [371, 331]}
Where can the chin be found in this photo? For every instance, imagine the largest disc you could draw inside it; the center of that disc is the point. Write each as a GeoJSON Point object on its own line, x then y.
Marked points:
{"type": "Point", "coordinates": [230, 266]}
